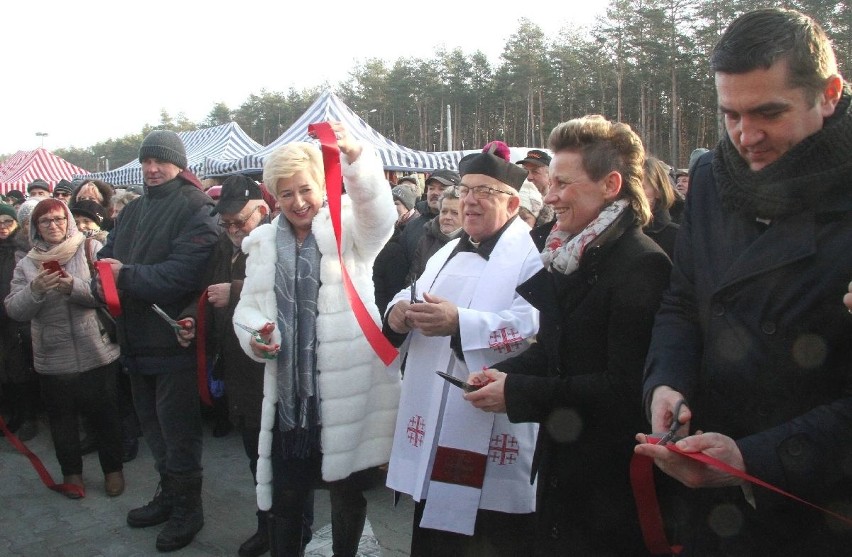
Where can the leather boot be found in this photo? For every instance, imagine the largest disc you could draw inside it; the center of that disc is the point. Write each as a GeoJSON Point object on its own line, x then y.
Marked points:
{"type": "Point", "coordinates": [347, 525]}
{"type": "Point", "coordinates": [285, 536]}
{"type": "Point", "coordinates": [258, 543]}
{"type": "Point", "coordinates": [187, 517]}
{"type": "Point", "coordinates": [158, 510]}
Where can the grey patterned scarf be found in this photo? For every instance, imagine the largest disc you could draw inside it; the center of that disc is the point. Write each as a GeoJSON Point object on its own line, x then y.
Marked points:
{"type": "Point", "coordinates": [296, 289]}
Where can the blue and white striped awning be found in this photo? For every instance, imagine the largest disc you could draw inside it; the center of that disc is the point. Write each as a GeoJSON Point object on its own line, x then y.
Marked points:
{"type": "Point", "coordinates": [329, 107]}
{"type": "Point", "coordinates": [227, 142]}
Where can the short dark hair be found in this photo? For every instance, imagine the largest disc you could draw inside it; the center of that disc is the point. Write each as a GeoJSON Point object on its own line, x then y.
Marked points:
{"type": "Point", "coordinates": [759, 38]}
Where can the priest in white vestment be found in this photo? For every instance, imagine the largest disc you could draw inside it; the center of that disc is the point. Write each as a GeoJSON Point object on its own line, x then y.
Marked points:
{"type": "Point", "coordinates": [467, 470]}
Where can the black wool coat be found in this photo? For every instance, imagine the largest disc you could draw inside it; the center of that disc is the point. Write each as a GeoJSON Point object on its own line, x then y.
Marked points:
{"type": "Point", "coordinates": [582, 381]}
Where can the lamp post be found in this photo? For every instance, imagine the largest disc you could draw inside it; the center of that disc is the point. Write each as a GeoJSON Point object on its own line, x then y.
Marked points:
{"type": "Point", "coordinates": [367, 119]}
{"type": "Point", "coordinates": [42, 135]}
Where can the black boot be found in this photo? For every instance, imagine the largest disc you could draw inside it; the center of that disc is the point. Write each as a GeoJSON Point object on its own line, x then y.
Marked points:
{"type": "Point", "coordinates": [158, 510]}
{"type": "Point", "coordinates": [258, 543]}
{"type": "Point", "coordinates": [348, 515]}
{"type": "Point", "coordinates": [187, 517]}
{"type": "Point", "coordinates": [285, 536]}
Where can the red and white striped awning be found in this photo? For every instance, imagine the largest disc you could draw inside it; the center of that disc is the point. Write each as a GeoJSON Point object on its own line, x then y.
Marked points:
{"type": "Point", "coordinates": [25, 166]}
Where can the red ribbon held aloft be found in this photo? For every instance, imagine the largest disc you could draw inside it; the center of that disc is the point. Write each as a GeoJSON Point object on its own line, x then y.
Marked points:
{"type": "Point", "coordinates": [334, 188]}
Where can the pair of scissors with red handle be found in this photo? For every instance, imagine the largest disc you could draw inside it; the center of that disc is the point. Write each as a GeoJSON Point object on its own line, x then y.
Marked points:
{"type": "Point", "coordinates": [179, 325]}
{"type": "Point", "coordinates": [258, 335]}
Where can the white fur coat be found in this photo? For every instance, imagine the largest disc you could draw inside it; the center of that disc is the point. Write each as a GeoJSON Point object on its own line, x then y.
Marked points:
{"type": "Point", "coordinates": [359, 398]}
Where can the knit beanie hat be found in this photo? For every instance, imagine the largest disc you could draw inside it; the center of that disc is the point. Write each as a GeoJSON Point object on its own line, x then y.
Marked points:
{"type": "Point", "coordinates": [164, 145]}
{"type": "Point", "coordinates": [405, 196]}
{"type": "Point", "coordinates": [90, 209]}
{"type": "Point", "coordinates": [8, 210]}
{"type": "Point", "coordinates": [63, 186]}
{"type": "Point", "coordinates": [530, 198]}
{"type": "Point", "coordinates": [26, 209]}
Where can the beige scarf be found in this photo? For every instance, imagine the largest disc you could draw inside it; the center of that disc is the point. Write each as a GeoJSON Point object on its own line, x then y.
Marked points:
{"type": "Point", "coordinates": [61, 252]}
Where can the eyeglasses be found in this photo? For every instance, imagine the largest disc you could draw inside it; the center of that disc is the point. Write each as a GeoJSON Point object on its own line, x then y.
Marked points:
{"type": "Point", "coordinates": [58, 221]}
{"type": "Point", "coordinates": [238, 224]}
{"type": "Point", "coordinates": [481, 192]}
{"type": "Point", "coordinates": [7, 223]}
{"type": "Point", "coordinates": [59, 194]}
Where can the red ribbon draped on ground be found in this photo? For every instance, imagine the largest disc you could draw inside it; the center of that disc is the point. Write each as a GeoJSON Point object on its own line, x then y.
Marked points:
{"type": "Point", "coordinates": [334, 188]}
{"type": "Point", "coordinates": [650, 518]}
{"type": "Point", "coordinates": [108, 285]}
{"type": "Point", "coordinates": [42, 472]}
{"type": "Point", "coordinates": [201, 349]}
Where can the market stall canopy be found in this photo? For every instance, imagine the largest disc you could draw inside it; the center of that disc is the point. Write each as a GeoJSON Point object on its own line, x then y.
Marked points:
{"type": "Point", "coordinates": [226, 142]}
{"type": "Point", "coordinates": [328, 106]}
{"type": "Point", "coordinates": [25, 166]}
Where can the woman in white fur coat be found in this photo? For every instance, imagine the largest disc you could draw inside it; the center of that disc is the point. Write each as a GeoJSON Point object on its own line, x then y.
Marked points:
{"type": "Point", "coordinates": [329, 404]}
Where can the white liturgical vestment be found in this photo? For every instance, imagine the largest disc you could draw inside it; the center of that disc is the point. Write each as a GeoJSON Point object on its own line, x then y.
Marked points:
{"type": "Point", "coordinates": [457, 457]}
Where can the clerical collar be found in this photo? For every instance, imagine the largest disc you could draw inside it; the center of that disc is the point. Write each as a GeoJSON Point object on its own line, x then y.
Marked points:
{"type": "Point", "coordinates": [482, 248]}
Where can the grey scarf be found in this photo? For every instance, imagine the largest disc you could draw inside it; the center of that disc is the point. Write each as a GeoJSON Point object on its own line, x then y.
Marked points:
{"type": "Point", "coordinates": [296, 289]}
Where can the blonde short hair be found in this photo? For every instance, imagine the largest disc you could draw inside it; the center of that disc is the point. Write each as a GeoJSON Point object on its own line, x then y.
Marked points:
{"type": "Point", "coordinates": [290, 159]}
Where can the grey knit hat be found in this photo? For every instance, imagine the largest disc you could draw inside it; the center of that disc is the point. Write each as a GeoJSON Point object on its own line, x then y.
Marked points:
{"type": "Point", "coordinates": [164, 145]}
{"type": "Point", "coordinates": [405, 196]}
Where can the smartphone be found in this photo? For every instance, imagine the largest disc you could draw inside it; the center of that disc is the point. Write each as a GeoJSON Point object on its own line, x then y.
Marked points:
{"type": "Point", "coordinates": [54, 267]}
{"type": "Point", "coordinates": [466, 387]}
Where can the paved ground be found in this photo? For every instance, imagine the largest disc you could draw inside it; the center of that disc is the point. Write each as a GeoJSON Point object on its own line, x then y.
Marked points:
{"type": "Point", "coordinates": [37, 522]}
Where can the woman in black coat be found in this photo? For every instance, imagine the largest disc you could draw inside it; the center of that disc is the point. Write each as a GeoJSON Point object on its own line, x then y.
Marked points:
{"type": "Point", "coordinates": [661, 196]}
{"type": "Point", "coordinates": [582, 380]}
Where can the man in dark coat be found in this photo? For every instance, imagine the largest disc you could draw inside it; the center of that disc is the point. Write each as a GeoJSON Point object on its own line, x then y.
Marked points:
{"type": "Point", "coordinates": [752, 334]}
{"type": "Point", "coordinates": [436, 183]}
{"type": "Point", "coordinates": [159, 243]}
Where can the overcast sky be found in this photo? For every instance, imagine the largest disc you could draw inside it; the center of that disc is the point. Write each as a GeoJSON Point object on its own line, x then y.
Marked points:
{"type": "Point", "coordinates": [89, 70]}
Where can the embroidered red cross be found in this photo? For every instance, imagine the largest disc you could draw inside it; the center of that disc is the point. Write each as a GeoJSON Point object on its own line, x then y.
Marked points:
{"type": "Point", "coordinates": [503, 449]}
{"type": "Point", "coordinates": [415, 430]}
{"type": "Point", "coordinates": [505, 340]}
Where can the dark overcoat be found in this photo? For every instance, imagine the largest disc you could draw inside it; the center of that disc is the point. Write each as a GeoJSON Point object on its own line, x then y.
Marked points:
{"type": "Point", "coordinates": [582, 381]}
{"type": "Point", "coordinates": [754, 333]}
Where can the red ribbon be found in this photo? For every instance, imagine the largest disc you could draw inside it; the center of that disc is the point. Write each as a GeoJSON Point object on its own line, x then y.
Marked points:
{"type": "Point", "coordinates": [334, 187]}
{"type": "Point", "coordinates": [201, 349]}
{"type": "Point", "coordinates": [38, 466]}
{"type": "Point", "coordinates": [650, 518]}
{"type": "Point", "coordinates": [108, 285]}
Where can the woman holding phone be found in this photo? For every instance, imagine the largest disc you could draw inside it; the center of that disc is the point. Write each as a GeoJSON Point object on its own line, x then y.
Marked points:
{"type": "Point", "coordinates": [74, 357]}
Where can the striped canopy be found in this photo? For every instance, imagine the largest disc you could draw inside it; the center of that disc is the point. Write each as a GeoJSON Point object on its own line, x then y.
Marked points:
{"type": "Point", "coordinates": [328, 106]}
{"type": "Point", "coordinates": [226, 142]}
{"type": "Point", "coordinates": [25, 166]}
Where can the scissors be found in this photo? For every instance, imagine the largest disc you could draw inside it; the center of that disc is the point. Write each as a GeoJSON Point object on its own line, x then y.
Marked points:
{"type": "Point", "coordinates": [671, 436]}
{"type": "Point", "coordinates": [180, 325]}
{"type": "Point", "coordinates": [258, 337]}
{"type": "Point", "coordinates": [413, 290]}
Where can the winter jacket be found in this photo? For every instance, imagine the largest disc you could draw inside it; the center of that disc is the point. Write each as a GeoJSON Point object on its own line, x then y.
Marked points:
{"type": "Point", "coordinates": [359, 398]}
{"type": "Point", "coordinates": [582, 381]}
{"type": "Point", "coordinates": [754, 334]}
{"type": "Point", "coordinates": [430, 242]}
{"type": "Point", "coordinates": [164, 239]}
{"type": "Point", "coordinates": [66, 331]}
{"type": "Point", "coordinates": [243, 376]}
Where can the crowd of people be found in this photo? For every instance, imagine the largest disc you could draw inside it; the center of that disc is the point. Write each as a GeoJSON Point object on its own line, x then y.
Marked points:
{"type": "Point", "coordinates": [577, 304]}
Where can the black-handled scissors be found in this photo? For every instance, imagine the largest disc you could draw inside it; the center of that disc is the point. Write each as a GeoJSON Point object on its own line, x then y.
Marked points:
{"type": "Point", "coordinates": [671, 435]}
{"type": "Point", "coordinates": [413, 292]}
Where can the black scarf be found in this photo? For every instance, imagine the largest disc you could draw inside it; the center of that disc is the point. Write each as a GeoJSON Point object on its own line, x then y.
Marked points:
{"type": "Point", "coordinates": [815, 174]}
